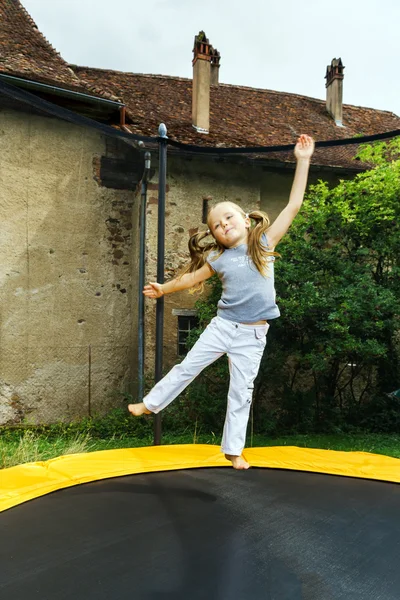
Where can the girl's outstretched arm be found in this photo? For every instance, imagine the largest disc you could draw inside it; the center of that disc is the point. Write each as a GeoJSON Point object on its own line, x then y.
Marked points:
{"type": "Point", "coordinates": [303, 152]}
{"type": "Point", "coordinates": [187, 281]}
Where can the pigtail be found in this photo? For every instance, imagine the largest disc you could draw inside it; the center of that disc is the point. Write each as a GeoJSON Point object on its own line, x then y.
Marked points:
{"type": "Point", "coordinates": [198, 252]}
{"type": "Point", "coordinates": [198, 256]}
{"type": "Point", "coordinates": [257, 249]}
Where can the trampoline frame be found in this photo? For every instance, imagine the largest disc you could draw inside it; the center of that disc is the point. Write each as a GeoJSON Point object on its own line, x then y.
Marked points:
{"type": "Point", "coordinates": [25, 482]}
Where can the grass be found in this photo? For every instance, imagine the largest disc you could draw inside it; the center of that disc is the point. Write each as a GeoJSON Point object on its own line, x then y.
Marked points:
{"type": "Point", "coordinates": [17, 447]}
{"type": "Point", "coordinates": [32, 447]}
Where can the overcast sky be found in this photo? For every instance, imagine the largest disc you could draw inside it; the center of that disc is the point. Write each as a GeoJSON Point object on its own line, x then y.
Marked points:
{"type": "Point", "coordinates": [282, 45]}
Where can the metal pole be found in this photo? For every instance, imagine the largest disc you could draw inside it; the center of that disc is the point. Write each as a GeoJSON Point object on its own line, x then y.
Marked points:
{"type": "Point", "coordinates": [162, 181]}
{"type": "Point", "coordinates": [142, 263]}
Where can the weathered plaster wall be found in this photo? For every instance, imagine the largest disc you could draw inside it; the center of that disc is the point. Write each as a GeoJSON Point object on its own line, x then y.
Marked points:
{"type": "Point", "coordinates": [69, 257]}
{"type": "Point", "coordinates": [65, 274]}
{"type": "Point", "coordinates": [275, 186]}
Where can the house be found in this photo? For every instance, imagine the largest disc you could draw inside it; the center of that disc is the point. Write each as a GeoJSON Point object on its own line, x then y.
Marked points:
{"type": "Point", "coordinates": [69, 199]}
{"type": "Point", "coordinates": [68, 245]}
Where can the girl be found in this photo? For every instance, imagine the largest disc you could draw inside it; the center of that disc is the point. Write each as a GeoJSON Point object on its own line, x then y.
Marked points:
{"type": "Point", "coordinates": [243, 259]}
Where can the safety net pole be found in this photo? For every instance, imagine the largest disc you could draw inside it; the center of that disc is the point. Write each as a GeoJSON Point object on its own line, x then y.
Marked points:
{"type": "Point", "coordinates": [162, 182]}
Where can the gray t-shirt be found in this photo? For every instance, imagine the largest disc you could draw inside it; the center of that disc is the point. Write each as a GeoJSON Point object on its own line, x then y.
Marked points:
{"type": "Point", "coordinates": [247, 296]}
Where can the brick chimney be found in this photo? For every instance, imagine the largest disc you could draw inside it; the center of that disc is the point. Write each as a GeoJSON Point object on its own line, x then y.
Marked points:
{"type": "Point", "coordinates": [202, 51]}
{"type": "Point", "coordinates": [334, 90]}
{"type": "Point", "coordinates": [215, 58]}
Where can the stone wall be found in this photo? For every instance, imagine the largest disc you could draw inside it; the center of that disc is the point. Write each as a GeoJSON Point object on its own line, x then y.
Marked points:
{"type": "Point", "coordinates": [275, 186]}
{"type": "Point", "coordinates": [67, 252]}
{"type": "Point", "coordinates": [69, 260]}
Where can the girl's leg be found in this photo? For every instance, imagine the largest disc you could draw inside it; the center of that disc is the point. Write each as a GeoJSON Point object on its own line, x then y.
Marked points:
{"type": "Point", "coordinates": [210, 346]}
{"type": "Point", "coordinates": [244, 362]}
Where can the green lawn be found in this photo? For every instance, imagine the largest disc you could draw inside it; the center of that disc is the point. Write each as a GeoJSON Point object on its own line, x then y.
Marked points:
{"type": "Point", "coordinates": [28, 446]}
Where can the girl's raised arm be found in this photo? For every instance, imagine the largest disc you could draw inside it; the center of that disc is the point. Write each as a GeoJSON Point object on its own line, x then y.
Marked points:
{"type": "Point", "coordinates": [303, 152]}
{"type": "Point", "coordinates": [187, 281]}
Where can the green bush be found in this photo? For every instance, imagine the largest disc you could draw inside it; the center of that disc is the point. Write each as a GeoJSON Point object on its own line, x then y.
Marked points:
{"type": "Point", "coordinates": [339, 294]}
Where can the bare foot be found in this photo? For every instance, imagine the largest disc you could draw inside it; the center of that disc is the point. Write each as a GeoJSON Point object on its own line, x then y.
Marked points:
{"type": "Point", "coordinates": [138, 409]}
{"type": "Point", "coordinates": [238, 462]}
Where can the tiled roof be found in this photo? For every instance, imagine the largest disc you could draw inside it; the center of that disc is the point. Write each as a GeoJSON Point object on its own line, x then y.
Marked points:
{"type": "Point", "coordinates": [25, 53]}
{"type": "Point", "coordinates": [239, 116]}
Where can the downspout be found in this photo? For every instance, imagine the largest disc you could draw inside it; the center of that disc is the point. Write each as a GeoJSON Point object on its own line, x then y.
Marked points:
{"type": "Point", "coordinates": [142, 263]}
{"type": "Point", "coordinates": [142, 258]}
{"type": "Point", "coordinates": [122, 115]}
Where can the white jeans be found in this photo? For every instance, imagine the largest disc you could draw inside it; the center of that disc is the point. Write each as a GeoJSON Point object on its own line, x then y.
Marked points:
{"type": "Point", "coordinates": [244, 345]}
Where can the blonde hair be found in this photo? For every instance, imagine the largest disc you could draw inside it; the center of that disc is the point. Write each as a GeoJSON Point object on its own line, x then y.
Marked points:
{"type": "Point", "coordinates": [257, 251]}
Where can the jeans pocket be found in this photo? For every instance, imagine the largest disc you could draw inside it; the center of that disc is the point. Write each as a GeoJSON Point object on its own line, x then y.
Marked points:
{"type": "Point", "coordinates": [261, 331]}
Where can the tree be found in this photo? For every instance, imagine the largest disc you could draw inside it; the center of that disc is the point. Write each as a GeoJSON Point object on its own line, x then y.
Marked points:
{"type": "Point", "coordinates": [339, 293]}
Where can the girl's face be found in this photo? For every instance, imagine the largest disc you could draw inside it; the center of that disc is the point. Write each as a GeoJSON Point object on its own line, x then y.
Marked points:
{"type": "Point", "coordinates": [228, 225]}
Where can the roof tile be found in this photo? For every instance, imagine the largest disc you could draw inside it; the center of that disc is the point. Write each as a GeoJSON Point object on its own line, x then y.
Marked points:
{"type": "Point", "coordinates": [240, 116]}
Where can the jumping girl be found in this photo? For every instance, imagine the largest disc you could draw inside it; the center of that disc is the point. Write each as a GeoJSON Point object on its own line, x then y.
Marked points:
{"type": "Point", "coordinates": [243, 258]}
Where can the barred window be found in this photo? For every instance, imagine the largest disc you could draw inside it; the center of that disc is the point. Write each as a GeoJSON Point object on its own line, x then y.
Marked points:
{"type": "Point", "coordinates": [187, 320]}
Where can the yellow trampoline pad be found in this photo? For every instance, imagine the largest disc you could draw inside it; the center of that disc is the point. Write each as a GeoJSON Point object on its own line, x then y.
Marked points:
{"type": "Point", "coordinates": [25, 482]}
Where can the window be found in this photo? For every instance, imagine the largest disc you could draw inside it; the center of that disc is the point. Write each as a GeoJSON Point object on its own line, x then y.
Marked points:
{"type": "Point", "coordinates": [187, 320]}
{"type": "Point", "coordinates": [206, 200]}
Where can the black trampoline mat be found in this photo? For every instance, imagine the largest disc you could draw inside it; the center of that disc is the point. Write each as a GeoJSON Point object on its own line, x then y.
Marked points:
{"type": "Point", "coordinates": [215, 534]}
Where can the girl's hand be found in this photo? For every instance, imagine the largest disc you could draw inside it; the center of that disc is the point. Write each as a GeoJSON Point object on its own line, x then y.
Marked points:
{"type": "Point", "coordinates": [153, 290]}
{"type": "Point", "coordinates": [304, 147]}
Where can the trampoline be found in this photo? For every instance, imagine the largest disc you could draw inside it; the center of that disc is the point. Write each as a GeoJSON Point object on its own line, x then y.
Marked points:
{"type": "Point", "coordinates": [171, 522]}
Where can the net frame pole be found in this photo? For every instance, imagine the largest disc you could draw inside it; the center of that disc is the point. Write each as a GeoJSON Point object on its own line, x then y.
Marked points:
{"type": "Point", "coordinates": [162, 184]}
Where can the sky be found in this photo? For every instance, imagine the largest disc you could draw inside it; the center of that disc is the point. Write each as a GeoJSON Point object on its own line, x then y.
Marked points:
{"type": "Point", "coordinates": [282, 45]}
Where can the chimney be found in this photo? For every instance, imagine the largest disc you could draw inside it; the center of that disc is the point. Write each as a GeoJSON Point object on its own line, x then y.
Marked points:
{"type": "Point", "coordinates": [334, 90]}
{"type": "Point", "coordinates": [215, 58]}
{"type": "Point", "coordinates": [201, 83]}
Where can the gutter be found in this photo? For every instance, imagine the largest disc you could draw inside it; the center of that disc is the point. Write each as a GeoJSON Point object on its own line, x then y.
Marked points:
{"type": "Point", "coordinates": [57, 91]}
